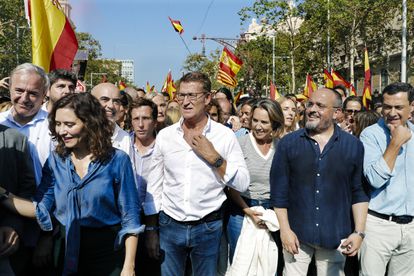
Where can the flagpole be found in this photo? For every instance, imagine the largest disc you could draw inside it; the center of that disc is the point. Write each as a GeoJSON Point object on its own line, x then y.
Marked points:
{"type": "Point", "coordinates": [404, 43]}
{"type": "Point", "coordinates": [329, 41]}
{"type": "Point", "coordinates": [185, 44]}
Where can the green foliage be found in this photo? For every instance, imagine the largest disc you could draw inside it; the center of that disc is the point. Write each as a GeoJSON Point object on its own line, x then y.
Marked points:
{"type": "Point", "coordinates": [207, 65]}
{"type": "Point", "coordinates": [15, 36]}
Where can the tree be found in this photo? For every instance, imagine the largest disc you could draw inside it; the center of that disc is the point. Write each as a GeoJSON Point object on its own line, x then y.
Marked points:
{"type": "Point", "coordinates": [15, 36]}
{"type": "Point", "coordinates": [207, 65]}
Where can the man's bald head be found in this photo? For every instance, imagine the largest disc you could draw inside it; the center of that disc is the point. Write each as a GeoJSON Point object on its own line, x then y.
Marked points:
{"type": "Point", "coordinates": [109, 97]}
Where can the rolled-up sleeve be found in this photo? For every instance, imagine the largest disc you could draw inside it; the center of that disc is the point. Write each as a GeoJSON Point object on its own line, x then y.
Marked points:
{"type": "Point", "coordinates": [152, 204]}
{"type": "Point", "coordinates": [128, 202]}
{"type": "Point", "coordinates": [376, 169]}
{"type": "Point", "coordinates": [237, 175]}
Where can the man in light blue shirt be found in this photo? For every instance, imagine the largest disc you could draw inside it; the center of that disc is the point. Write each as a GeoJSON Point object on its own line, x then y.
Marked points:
{"type": "Point", "coordinates": [389, 168]}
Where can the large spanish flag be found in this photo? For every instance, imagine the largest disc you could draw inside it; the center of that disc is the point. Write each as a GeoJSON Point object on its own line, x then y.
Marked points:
{"type": "Point", "coordinates": [229, 66]}
{"type": "Point", "coordinates": [366, 95]}
{"type": "Point", "coordinates": [54, 43]}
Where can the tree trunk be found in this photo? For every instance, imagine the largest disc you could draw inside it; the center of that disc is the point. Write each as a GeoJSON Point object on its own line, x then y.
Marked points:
{"type": "Point", "coordinates": [352, 51]}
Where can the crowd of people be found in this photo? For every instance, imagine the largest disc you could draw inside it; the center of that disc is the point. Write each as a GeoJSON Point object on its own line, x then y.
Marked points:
{"type": "Point", "coordinates": [112, 182]}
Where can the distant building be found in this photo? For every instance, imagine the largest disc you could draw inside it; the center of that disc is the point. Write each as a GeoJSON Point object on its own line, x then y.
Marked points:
{"type": "Point", "coordinates": [127, 69]}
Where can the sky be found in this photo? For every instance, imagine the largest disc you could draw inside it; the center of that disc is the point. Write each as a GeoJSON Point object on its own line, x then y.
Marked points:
{"type": "Point", "coordinates": [140, 30]}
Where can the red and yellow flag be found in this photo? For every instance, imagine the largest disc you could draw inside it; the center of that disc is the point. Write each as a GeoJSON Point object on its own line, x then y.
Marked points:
{"type": "Point", "coordinates": [366, 95]}
{"type": "Point", "coordinates": [149, 88]}
{"type": "Point", "coordinates": [229, 66]}
{"type": "Point", "coordinates": [122, 85]}
{"type": "Point", "coordinates": [310, 86]}
{"type": "Point", "coordinates": [329, 82]}
{"type": "Point", "coordinates": [274, 94]}
{"type": "Point", "coordinates": [169, 86]}
{"type": "Point", "coordinates": [54, 43]}
{"type": "Point", "coordinates": [237, 97]}
{"type": "Point", "coordinates": [176, 25]}
{"type": "Point", "coordinates": [352, 91]}
{"type": "Point", "coordinates": [339, 80]}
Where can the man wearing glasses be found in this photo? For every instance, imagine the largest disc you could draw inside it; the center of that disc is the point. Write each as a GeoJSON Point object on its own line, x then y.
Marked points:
{"type": "Point", "coordinates": [193, 161]}
{"type": "Point", "coordinates": [315, 182]}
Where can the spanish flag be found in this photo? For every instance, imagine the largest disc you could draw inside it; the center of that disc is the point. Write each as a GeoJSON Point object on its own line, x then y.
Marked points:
{"type": "Point", "coordinates": [169, 86]}
{"type": "Point", "coordinates": [274, 94]}
{"type": "Point", "coordinates": [121, 85]}
{"type": "Point", "coordinates": [339, 80]}
{"type": "Point", "coordinates": [310, 86]}
{"type": "Point", "coordinates": [366, 95]}
{"type": "Point", "coordinates": [229, 66]}
{"type": "Point", "coordinates": [54, 43]}
{"type": "Point", "coordinates": [177, 25]}
{"type": "Point", "coordinates": [329, 83]}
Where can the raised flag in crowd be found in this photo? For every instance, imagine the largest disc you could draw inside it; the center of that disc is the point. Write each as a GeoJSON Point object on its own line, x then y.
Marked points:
{"type": "Point", "coordinates": [229, 66]}
{"type": "Point", "coordinates": [54, 44]}
{"type": "Point", "coordinates": [366, 94]}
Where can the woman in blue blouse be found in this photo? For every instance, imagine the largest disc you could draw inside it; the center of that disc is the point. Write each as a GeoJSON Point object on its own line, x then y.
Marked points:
{"type": "Point", "coordinates": [89, 188]}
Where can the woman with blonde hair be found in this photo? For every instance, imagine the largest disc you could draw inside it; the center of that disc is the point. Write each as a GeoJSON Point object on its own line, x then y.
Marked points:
{"type": "Point", "coordinates": [288, 106]}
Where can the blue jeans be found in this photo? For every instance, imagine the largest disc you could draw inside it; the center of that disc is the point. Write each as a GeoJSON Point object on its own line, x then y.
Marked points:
{"type": "Point", "coordinates": [201, 242]}
{"type": "Point", "coordinates": [236, 221]}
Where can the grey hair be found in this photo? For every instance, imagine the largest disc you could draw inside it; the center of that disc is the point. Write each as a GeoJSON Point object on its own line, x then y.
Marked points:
{"type": "Point", "coordinates": [31, 68]}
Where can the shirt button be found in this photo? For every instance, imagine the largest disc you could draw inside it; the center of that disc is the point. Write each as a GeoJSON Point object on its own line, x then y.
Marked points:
{"type": "Point", "coordinates": [318, 174]}
{"type": "Point", "coordinates": [316, 144]}
{"type": "Point", "coordinates": [317, 191]}
{"type": "Point", "coordinates": [317, 208]}
{"type": "Point", "coordinates": [317, 225]}
{"type": "Point", "coordinates": [320, 158]}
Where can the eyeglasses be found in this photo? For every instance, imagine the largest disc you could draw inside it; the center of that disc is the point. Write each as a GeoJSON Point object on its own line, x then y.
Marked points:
{"type": "Point", "coordinates": [319, 106]}
{"type": "Point", "coordinates": [351, 111]}
{"type": "Point", "coordinates": [191, 96]}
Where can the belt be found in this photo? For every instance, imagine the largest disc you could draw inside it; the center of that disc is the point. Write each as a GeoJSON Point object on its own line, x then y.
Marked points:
{"type": "Point", "coordinates": [397, 219]}
{"type": "Point", "coordinates": [213, 216]}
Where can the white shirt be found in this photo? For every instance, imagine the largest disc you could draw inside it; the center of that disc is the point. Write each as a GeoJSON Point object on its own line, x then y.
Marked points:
{"type": "Point", "coordinates": [141, 165]}
{"type": "Point", "coordinates": [37, 132]}
{"type": "Point", "coordinates": [182, 184]}
{"type": "Point", "coordinates": [121, 140]}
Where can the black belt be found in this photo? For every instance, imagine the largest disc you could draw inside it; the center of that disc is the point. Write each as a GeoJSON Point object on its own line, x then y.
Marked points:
{"type": "Point", "coordinates": [213, 216]}
{"type": "Point", "coordinates": [397, 219]}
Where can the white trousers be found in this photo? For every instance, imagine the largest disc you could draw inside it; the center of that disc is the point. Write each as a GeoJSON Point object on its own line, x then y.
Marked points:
{"type": "Point", "coordinates": [387, 242]}
{"type": "Point", "coordinates": [329, 262]}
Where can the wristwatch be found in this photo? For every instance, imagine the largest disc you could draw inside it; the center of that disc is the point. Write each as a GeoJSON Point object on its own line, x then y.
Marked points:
{"type": "Point", "coordinates": [361, 234]}
{"type": "Point", "coordinates": [4, 194]}
{"type": "Point", "coordinates": [219, 161]}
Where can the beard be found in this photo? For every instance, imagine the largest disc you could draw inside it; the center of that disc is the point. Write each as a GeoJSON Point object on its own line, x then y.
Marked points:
{"type": "Point", "coordinates": [318, 125]}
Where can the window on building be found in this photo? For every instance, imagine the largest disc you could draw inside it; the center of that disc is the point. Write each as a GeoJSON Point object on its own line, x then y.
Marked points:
{"type": "Point", "coordinates": [384, 77]}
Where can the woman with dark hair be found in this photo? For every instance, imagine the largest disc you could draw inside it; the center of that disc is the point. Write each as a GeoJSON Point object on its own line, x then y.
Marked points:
{"type": "Point", "coordinates": [213, 109]}
{"type": "Point", "coordinates": [363, 120]}
{"type": "Point", "coordinates": [259, 146]}
{"type": "Point", "coordinates": [88, 187]}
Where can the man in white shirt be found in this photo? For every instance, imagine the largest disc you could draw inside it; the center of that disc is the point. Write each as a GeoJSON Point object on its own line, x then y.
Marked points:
{"type": "Point", "coordinates": [110, 98]}
{"type": "Point", "coordinates": [193, 161]}
{"type": "Point", "coordinates": [28, 87]}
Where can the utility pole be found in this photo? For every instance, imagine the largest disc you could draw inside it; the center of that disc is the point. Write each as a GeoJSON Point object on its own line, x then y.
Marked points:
{"type": "Point", "coordinates": [404, 43]}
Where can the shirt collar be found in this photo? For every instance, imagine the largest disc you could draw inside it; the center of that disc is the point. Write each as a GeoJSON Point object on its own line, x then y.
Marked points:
{"type": "Point", "coordinates": [335, 135]}
{"type": "Point", "coordinates": [206, 129]}
{"type": "Point", "coordinates": [383, 125]}
{"type": "Point", "coordinates": [40, 116]}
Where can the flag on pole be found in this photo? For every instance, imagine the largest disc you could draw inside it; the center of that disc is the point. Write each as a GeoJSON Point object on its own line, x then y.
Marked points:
{"type": "Point", "coordinates": [329, 82]}
{"type": "Point", "coordinates": [310, 86]}
{"type": "Point", "coordinates": [274, 94]}
{"type": "Point", "coordinates": [149, 88]}
{"type": "Point", "coordinates": [169, 86]}
{"type": "Point", "coordinates": [229, 66]}
{"type": "Point", "coordinates": [366, 95]}
{"type": "Point", "coordinates": [339, 80]}
{"type": "Point", "coordinates": [121, 85]}
{"type": "Point", "coordinates": [54, 43]}
{"type": "Point", "coordinates": [176, 25]}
